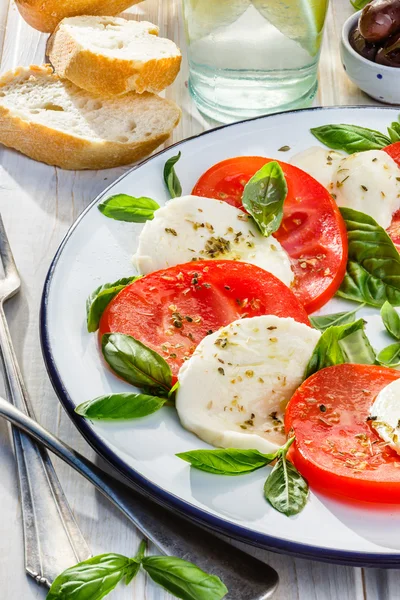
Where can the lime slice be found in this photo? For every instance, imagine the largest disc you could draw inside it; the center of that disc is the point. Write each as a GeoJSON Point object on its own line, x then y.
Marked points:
{"type": "Point", "coordinates": [205, 16]}
{"type": "Point", "coordinates": [299, 20]}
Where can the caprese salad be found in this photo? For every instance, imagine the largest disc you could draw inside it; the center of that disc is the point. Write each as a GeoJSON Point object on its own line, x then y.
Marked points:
{"type": "Point", "coordinates": [216, 320]}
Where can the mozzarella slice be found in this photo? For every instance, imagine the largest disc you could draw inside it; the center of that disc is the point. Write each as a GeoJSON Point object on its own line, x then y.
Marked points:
{"type": "Point", "coordinates": [193, 228]}
{"type": "Point", "coordinates": [368, 182]}
{"type": "Point", "coordinates": [385, 415]}
{"type": "Point", "coordinates": [235, 387]}
{"type": "Point", "coordinates": [318, 162]}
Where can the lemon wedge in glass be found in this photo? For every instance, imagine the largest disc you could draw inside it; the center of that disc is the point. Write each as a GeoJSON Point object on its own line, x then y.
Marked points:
{"type": "Point", "coordinates": [299, 20]}
{"type": "Point", "coordinates": [205, 16]}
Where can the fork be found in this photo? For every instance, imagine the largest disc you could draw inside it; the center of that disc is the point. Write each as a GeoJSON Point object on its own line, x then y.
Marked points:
{"type": "Point", "coordinates": [52, 538]}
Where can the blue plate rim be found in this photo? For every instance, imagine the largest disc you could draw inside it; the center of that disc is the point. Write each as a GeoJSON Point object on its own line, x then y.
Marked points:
{"type": "Point", "coordinates": [153, 491]}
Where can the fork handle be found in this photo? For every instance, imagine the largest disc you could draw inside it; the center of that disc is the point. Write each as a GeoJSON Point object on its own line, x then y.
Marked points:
{"type": "Point", "coordinates": [52, 538]}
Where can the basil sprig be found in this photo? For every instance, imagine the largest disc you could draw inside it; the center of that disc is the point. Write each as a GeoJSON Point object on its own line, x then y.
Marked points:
{"type": "Point", "coordinates": [232, 461]}
{"type": "Point", "coordinates": [394, 132]}
{"type": "Point", "coordinates": [350, 138]}
{"type": "Point", "coordinates": [341, 344]}
{"type": "Point", "coordinates": [170, 177]}
{"type": "Point", "coordinates": [100, 299]}
{"type": "Point", "coordinates": [285, 489]}
{"type": "Point", "coordinates": [373, 267]}
{"type": "Point", "coordinates": [183, 579]}
{"type": "Point", "coordinates": [120, 407]}
{"type": "Point", "coordinates": [137, 364]}
{"type": "Point", "coordinates": [264, 196]}
{"type": "Point", "coordinates": [343, 318]}
{"type": "Point", "coordinates": [122, 207]}
{"type": "Point", "coordinates": [391, 320]}
{"type": "Point", "coordinates": [95, 578]}
{"type": "Point", "coordinates": [390, 356]}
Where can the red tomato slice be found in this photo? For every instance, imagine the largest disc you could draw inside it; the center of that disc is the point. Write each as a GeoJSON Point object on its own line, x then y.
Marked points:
{"type": "Point", "coordinates": [172, 310]}
{"type": "Point", "coordinates": [313, 232]}
{"type": "Point", "coordinates": [335, 449]}
{"type": "Point", "coordinates": [394, 230]}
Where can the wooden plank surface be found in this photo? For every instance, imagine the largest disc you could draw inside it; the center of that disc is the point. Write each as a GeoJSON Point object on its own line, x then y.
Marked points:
{"type": "Point", "coordinates": [38, 204]}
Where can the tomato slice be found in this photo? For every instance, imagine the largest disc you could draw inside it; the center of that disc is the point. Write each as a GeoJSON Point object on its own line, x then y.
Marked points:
{"type": "Point", "coordinates": [172, 310]}
{"type": "Point", "coordinates": [394, 230]}
{"type": "Point", "coordinates": [335, 449]}
{"type": "Point", "coordinates": [313, 232]}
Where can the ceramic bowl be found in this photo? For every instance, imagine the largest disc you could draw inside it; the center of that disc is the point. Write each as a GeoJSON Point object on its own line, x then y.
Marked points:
{"type": "Point", "coordinates": [378, 81]}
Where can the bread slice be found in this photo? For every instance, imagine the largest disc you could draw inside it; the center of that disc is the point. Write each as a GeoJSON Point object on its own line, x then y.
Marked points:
{"type": "Point", "coordinates": [54, 121]}
{"type": "Point", "coordinates": [45, 15]}
{"type": "Point", "coordinates": [111, 56]}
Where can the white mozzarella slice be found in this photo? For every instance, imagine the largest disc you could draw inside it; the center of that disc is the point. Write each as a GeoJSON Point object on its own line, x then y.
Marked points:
{"type": "Point", "coordinates": [193, 228]}
{"type": "Point", "coordinates": [368, 182]}
{"type": "Point", "coordinates": [234, 389]}
{"type": "Point", "coordinates": [318, 162]}
{"type": "Point", "coordinates": [385, 414]}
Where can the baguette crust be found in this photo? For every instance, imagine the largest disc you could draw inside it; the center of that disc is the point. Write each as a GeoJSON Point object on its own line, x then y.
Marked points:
{"type": "Point", "coordinates": [45, 15]}
{"type": "Point", "coordinates": [68, 151]}
{"type": "Point", "coordinates": [107, 75]}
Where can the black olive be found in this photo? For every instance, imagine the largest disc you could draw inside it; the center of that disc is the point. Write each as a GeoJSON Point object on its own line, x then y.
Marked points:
{"type": "Point", "coordinates": [361, 46]}
{"type": "Point", "coordinates": [389, 54]}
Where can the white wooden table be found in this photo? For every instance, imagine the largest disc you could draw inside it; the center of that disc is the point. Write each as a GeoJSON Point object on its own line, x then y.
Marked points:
{"type": "Point", "coordinates": [38, 204]}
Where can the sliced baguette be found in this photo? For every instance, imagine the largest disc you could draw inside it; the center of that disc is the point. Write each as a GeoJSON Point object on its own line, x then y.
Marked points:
{"type": "Point", "coordinates": [55, 122]}
{"type": "Point", "coordinates": [45, 15]}
{"type": "Point", "coordinates": [112, 56]}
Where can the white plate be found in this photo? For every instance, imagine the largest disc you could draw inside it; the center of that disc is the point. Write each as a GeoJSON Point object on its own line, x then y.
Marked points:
{"type": "Point", "coordinates": [98, 250]}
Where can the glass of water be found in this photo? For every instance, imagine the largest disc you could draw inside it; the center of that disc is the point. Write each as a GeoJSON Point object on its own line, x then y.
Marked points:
{"type": "Point", "coordinates": [253, 57]}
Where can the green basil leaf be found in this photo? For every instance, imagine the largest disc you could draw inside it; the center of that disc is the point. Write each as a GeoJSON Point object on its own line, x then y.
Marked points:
{"type": "Point", "coordinates": [100, 299]}
{"type": "Point", "coordinates": [391, 320]}
{"type": "Point", "coordinates": [285, 489]}
{"type": "Point", "coordinates": [92, 579]}
{"type": "Point", "coordinates": [359, 4]}
{"type": "Point", "coordinates": [127, 208]}
{"type": "Point", "coordinates": [136, 363]}
{"type": "Point", "coordinates": [390, 356]}
{"type": "Point", "coordinates": [183, 579]}
{"type": "Point", "coordinates": [120, 406]}
{"type": "Point", "coordinates": [325, 321]}
{"type": "Point", "coordinates": [339, 345]}
{"type": "Point", "coordinates": [170, 177]}
{"type": "Point", "coordinates": [264, 196]}
{"type": "Point", "coordinates": [138, 560]}
{"type": "Point", "coordinates": [231, 461]}
{"type": "Point", "coordinates": [394, 133]}
{"type": "Point", "coordinates": [350, 138]}
{"type": "Point", "coordinates": [373, 267]}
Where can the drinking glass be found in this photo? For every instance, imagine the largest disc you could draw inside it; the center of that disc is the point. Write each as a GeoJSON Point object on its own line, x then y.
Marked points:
{"type": "Point", "coordinates": [253, 57]}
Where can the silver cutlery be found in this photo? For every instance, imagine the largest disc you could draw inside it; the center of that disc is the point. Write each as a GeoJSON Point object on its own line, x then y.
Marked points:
{"type": "Point", "coordinates": [246, 577]}
{"type": "Point", "coordinates": [48, 522]}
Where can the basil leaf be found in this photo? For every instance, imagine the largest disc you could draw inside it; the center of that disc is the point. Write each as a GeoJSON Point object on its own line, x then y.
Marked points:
{"type": "Point", "coordinates": [170, 177]}
{"type": "Point", "coordinates": [100, 299]}
{"type": "Point", "coordinates": [264, 196]}
{"type": "Point", "coordinates": [373, 267]}
{"type": "Point", "coordinates": [120, 406]}
{"type": "Point", "coordinates": [183, 579]}
{"type": "Point", "coordinates": [231, 461]}
{"type": "Point", "coordinates": [325, 321]}
{"type": "Point", "coordinates": [394, 132]}
{"type": "Point", "coordinates": [285, 489]}
{"type": "Point", "coordinates": [138, 560]}
{"type": "Point", "coordinates": [127, 208]}
{"type": "Point", "coordinates": [359, 4]}
{"type": "Point", "coordinates": [350, 138]}
{"type": "Point", "coordinates": [341, 344]}
{"type": "Point", "coordinates": [136, 363]}
{"type": "Point", "coordinates": [391, 320]}
{"type": "Point", "coordinates": [92, 579]}
{"type": "Point", "coordinates": [390, 356]}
